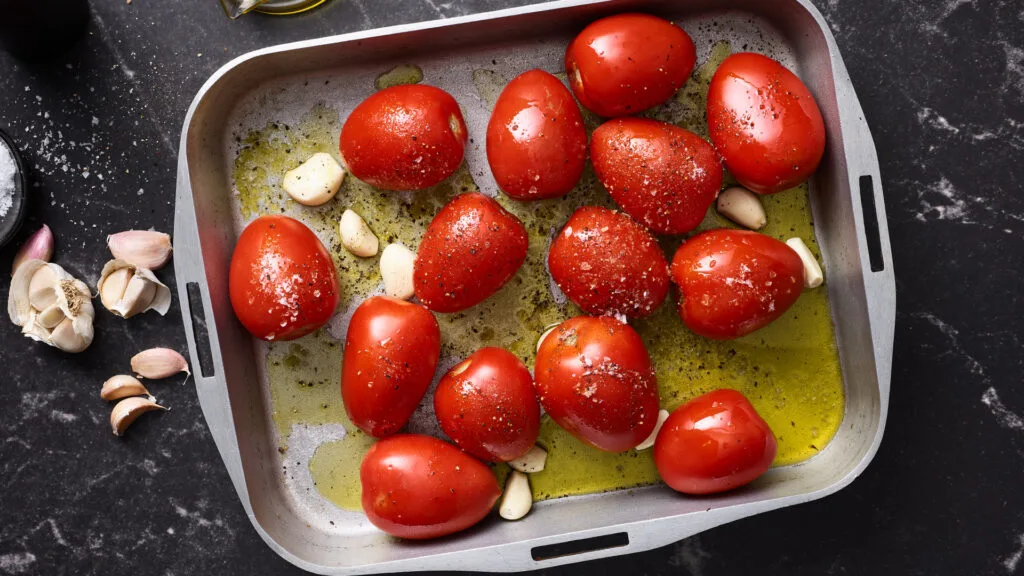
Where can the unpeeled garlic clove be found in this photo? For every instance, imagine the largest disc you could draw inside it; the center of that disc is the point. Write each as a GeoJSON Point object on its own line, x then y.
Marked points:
{"type": "Point", "coordinates": [649, 441]}
{"type": "Point", "coordinates": [159, 363]}
{"type": "Point", "coordinates": [742, 207]}
{"type": "Point", "coordinates": [144, 248]}
{"type": "Point", "coordinates": [127, 410]}
{"type": "Point", "coordinates": [544, 335]}
{"type": "Point", "coordinates": [356, 236]}
{"type": "Point", "coordinates": [39, 246]}
{"type": "Point", "coordinates": [122, 386]}
{"type": "Point", "coordinates": [40, 293]}
{"type": "Point", "coordinates": [517, 499]}
{"type": "Point", "coordinates": [142, 291]}
{"type": "Point", "coordinates": [532, 461]}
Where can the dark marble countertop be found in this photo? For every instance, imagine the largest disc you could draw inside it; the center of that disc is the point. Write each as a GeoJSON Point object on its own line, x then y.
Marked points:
{"type": "Point", "coordinates": [942, 86]}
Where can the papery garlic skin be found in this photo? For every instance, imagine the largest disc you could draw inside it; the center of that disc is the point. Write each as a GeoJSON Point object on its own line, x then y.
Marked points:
{"type": "Point", "coordinates": [51, 306]}
{"type": "Point", "coordinates": [144, 248]}
{"type": "Point", "coordinates": [159, 363]}
{"type": "Point", "coordinates": [39, 246]}
{"type": "Point", "coordinates": [129, 294]}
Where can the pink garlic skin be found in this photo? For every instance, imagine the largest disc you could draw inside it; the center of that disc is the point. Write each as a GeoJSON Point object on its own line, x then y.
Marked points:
{"type": "Point", "coordinates": [38, 246]}
{"type": "Point", "coordinates": [144, 248]}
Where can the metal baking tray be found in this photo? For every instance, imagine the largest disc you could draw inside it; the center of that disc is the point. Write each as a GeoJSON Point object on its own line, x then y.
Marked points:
{"type": "Point", "coordinates": [850, 223]}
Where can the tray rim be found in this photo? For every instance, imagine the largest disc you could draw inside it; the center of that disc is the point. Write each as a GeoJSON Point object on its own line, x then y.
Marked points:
{"type": "Point", "coordinates": [881, 318]}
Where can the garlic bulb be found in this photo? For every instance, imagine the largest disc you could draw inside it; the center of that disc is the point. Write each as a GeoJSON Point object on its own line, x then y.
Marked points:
{"type": "Point", "coordinates": [126, 290]}
{"type": "Point", "coordinates": [51, 306]}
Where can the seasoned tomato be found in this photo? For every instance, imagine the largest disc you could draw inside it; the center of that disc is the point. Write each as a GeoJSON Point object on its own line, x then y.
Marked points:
{"type": "Point", "coordinates": [536, 142]}
{"type": "Point", "coordinates": [765, 123]}
{"type": "Point", "coordinates": [662, 175]}
{"type": "Point", "coordinates": [420, 487]}
{"type": "Point", "coordinates": [594, 378]}
{"type": "Point", "coordinates": [713, 443]}
{"type": "Point", "coordinates": [391, 352]}
{"type": "Point", "coordinates": [472, 247]}
{"type": "Point", "coordinates": [282, 281]}
{"type": "Point", "coordinates": [733, 282]}
{"type": "Point", "coordinates": [607, 263]}
{"type": "Point", "coordinates": [627, 63]}
{"type": "Point", "coordinates": [487, 406]}
{"type": "Point", "coordinates": [405, 137]}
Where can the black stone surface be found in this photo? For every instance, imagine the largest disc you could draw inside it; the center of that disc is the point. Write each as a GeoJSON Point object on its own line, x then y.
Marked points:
{"type": "Point", "coordinates": [942, 86]}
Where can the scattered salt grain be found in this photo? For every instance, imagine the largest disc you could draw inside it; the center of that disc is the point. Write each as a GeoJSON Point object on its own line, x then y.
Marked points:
{"type": "Point", "coordinates": [8, 173]}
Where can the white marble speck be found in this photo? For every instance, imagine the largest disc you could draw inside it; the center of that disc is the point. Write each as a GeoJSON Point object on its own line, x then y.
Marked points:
{"type": "Point", "coordinates": [1004, 416]}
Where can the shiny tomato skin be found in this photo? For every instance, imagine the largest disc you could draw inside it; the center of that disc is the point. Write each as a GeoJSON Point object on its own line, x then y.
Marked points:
{"type": "Point", "coordinates": [419, 487]}
{"type": "Point", "coordinates": [472, 247]}
{"type": "Point", "coordinates": [627, 63]}
{"type": "Point", "coordinates": [282, 282]}
{"type": "Point", "coordinates": [660, 174]}
{"type": "Point", "coordinates": [406, 137]}
{"type": "Point", "coordinates": [733, 282]}
{"type": "Point", "coordinates": [713, 443]}
{"type": "Point", "coordinates": [606, 263]}
{"type": "Point", "coordinates": [536, 141]}
{"type": "Point", "coordinates": [765, 123]}
{"type": "Point", "coordinates": [594, 378]}
{"type": "Point", "coordinates": [391, 352]}
{"type": "Point", "coordinates": [487, 406]}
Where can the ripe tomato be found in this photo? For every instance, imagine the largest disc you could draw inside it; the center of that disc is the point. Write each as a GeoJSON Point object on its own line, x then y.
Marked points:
{"type": "Point", "coordinates": [765, 123]}
{"type": "Point", "coordinates": [628, 63]}
{"type": "Point", "coordinates": [662, 175]}
{"type": "Point", "coordinates": [607, 263]}
{"type": "Point", "coordinates": [713, 443]}
{"type": "Point", "coordinates": [391, 352]}
{"type": "Point", "coordinates": [733, 282]}
{"type": "Point", "coordinates": [405, 137]}
{"type": "Point", "coordinates": [594, 379]}
{"type": "Point", "coordinates": [536, 142]}
{"type": "Point", "coordinates": [282, 282]}
{"type": "Point", "coordinates": [420, 487]}
{"type": "Point", "coordinates": [487, 405]}
{"type": "Point", "coordinates": [472, 247]}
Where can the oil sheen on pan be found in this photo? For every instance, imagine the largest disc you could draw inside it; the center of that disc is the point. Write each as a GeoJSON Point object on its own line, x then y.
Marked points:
{"type": "Point", "coordinates": [789, 370]}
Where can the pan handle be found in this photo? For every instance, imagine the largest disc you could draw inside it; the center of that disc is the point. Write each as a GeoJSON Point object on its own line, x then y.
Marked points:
{"type": "Point", "coordinates": [201, 329]}
{"type": "Point", "coordinates": [872, 234]}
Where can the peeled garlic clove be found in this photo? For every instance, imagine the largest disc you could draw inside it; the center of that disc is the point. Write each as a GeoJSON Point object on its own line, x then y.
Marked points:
{"type": "Point", "coordinates": [142, 291]}
{"type": "Point", "coordinates": [396, 268]}
{"type": "Point", "coordinates": [122, 386]}
{"type": "Point", "coordinates": [649, 441]}
{"type": "Point", "coordinates": [50, 317]}
{"type": "Point", "coordinates": [159, 363]}
{"type": "Point", "coordinates": [356, 236]}
{"type": "Point", "coordinates": [517, 499]}
{"type": "Point", "coordinates": [113, 286]}
{"type": "Point", "coordinates": [315, 181]}
{"type": "Point", "coordinates": [39, 246]}
{"type": "Point", "coordinates": [532, 461]}
{"type": "Point", "coordinates": [812, 271]}
{"type": "Point", "coordinates": [144, 248]}
{"type": "Point", "coordinates": [127, 410]}
{"type": "Point", "coordinates": [42, 291]}
{"type": "Point", "coordinates": [36, 289]}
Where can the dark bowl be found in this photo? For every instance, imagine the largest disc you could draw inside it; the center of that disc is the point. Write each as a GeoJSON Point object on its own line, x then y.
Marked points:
{"type": "Point", "coordinates": [11, 222]}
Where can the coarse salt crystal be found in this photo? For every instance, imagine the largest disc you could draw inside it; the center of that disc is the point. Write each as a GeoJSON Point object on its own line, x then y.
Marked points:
{"type": "Point", "coordinates": [8, 173]}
